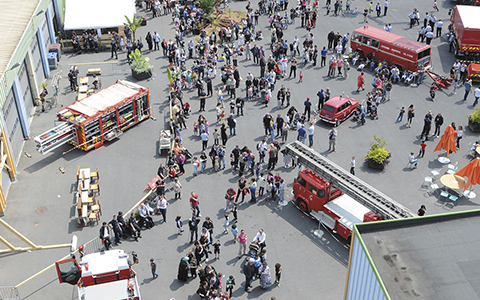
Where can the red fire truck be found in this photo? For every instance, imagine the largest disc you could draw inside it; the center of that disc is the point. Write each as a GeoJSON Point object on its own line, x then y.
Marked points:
{"type": "Point", "coordinates": [98, 118]}
{"type": "Point", "coordinates": [466, 29]}
{"type": "Point", "coordinates": [105, 275]}
{"type": "Point", "coordinates": [334, 197]}
{"type": "Point", "coordinates": [379, 45]}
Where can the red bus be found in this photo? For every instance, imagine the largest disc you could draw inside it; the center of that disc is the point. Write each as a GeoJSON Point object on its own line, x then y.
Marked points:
{"type": "Point", "coordinates": [381, 45]}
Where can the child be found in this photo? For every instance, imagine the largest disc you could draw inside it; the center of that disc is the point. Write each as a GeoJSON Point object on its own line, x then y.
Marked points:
{"type": "Point", "coordinates": [216, 247]}
{"type": "Point", "coordinates": [220, 97]}
{"type": "Point", "coordinates": [328, 10]}
{"type": "Point", "coordinates": [179, 223]}
{"type": "Point", "coordinates": [230, 284]}
{"type": "Point", "coordinates": [193, 267]}
{"type": "Point", "coordinates": [196, 164]}
{"type": "Point", "coordinates": [257, 170]}
{"type": "Point", "coordinates": [222, 117]}
{"type": "Point", "coordinates": [234, 211]}
{"type": "Point", "coordinates": [216, 163]}
{"type": "Point", "coordinates": [400, 114]}
{"type": "Point", "coordinates": [300, 77]}
{"type": "Point", "coordinates": [232, 162]}
{"type": "Point", "coordinates": [455, 85]}
{"type": "Point", "coordinates": [177, 188]}
{"type": "Point", "coordinates": [234, 232]}
{"type": "Point", "coordinates": [220, 282]}
{"type": "Point", "coordinates": [278, 273]}
{"type": "Point", "coordinates": [195, 128]}
{"type": "Point", "coordinates": [435, 5]}
{"type": "Point", "coordinates": [261, 185]}
{"type": "Point", "coordinates": [225, 295]}
{"type": "Point", "coordinates": [216, 137]}
{"type": "Point", "coordinates": [153, 267]}
{"type": "Point", "coordinates": [423, 145]}
{"type": "Point", "coordinates": [225, 224]}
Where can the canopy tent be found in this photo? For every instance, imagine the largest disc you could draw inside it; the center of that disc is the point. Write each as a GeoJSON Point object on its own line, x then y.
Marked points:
{"type": "Point", "coordinates": [93, 14]}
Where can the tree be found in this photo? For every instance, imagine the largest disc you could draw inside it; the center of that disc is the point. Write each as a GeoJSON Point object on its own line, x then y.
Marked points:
{"type": "Point", "coordinates": [208, 6]}
{"type": "Point", "coordinates": [133, 25]}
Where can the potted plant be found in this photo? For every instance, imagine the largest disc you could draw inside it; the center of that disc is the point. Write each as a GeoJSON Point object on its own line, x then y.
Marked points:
{"type": "Point", "coordinates": [141, 69]}
{"type": "Point", "coordinates": [378, 156]}
{"type": "Point", "coordinates": [474, 120]}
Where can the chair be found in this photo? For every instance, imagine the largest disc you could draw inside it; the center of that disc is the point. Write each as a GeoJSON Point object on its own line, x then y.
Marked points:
{"type": "Point", "coordinates": [454, 199]}
{"type": "Point", "coordinates": [93, 217]}
{"type": "Point", "coordinates": [427, 181]}
{"type": "Point", "coordinates": [91, 200]}
{"type": "Point", "coordinates": [95, 175]}
{"type": "Point", "coordinates": [97, 208]}
{"type": "Point", "coordinates": [433, 188]}
{"type": "Point", "coordinates": [95, 188]}
{"type": "Point", "coordinates": [453, 167]}
{"type": "Point", "coordinates": [444, 194]}
{"type": "Point", "coordinates": [435, 173]}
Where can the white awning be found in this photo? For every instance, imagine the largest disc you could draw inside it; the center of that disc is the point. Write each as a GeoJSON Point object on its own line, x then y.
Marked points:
{"type": "Point", "coordinates": [92, 14]}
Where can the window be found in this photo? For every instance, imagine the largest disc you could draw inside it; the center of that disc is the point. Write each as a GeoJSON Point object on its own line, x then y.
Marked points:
{"type": "Point", "coordinates": [329, 108]}
{"type": "Point", "coordinates": [357, 37]}
{"type": "Point", "coordinates": [424, 53]}
{"type": "Point", "coordinates": [375, 43]}
{"type": "Point", "coordinates": [366, 40]}
{"type": "Point", "coordinates": [312, 189]}
{"type": "Point", "coordinates": [302, 181]}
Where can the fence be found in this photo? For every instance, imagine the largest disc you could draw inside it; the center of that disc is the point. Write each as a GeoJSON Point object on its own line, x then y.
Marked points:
{"type": "Point", "coordinates": [9, 293]}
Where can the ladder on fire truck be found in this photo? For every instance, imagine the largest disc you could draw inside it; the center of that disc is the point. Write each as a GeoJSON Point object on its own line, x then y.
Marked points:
{"type": "Point", "coordinates": [359, 190]}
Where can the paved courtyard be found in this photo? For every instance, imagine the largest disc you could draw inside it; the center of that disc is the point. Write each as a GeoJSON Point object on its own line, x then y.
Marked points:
{"type": "Point", "coordinates": [312, 266]}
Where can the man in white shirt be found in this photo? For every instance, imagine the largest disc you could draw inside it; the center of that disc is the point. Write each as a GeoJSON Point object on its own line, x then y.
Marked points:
{"type": "Point", "coordinates": [311, 131]}
{"type": "Point", "coordinates": [477, 95]}
{"type": "Point", "coordinates": [439, 28]}
{"type": "Point", "coordinates": [262, 146]}
{"type": "Point", "coordinates": [260, 239]}
{"type": "Point", "coordinates": [457, 66]}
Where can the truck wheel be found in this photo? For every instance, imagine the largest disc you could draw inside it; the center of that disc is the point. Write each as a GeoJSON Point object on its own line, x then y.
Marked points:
{"type": "Point", "coordinates": [302, 205]}
{"type": "Point", "coordinates": [337, 123]}
{"type": "Point", "coordinates": [455, 51]}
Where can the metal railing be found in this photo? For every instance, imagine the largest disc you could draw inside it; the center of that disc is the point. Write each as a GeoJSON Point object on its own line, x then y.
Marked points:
{"type": "Point", "coordinates": [9, 293]}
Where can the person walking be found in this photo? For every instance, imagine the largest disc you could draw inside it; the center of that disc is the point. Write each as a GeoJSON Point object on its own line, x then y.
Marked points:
{"type": "Point", "coordinates": [332, 139]}
{"type": "Point", "coordinates": [352, 165]}
{"type": "Point", "coordinates": [153, 268]}
{"type": "Point", "coordinates": [410, 115]}
{"type": "Point", "coordinates": [360, 82]}
{"type": "Point", "coordinates": [468, 87]}
{"type": "Point", "coordinates": [193, 227]}
{"type": "Point", "coordinates": [308, 108]}
{"type": "Point", "coordinates": [194, 203]}
{"type": "Point", "coordinates": [477, 95]}
{"type": "Point", "coordinates": [105, 235]}
{"type": "Point", "coordinates": [438, 122]}
{"type": "Point", "coordinates": [423, 146]}
{"type": "Point", "coordinates": [242, 242]}
{"type": "Point", "coordinates": [249, 271]}
{"type": "Point", "coordinates": [427, 125]}
{"type": "Point", "coordinates": [385, 7]}
{"type": "Point", "coordinates": [459, 135]}
{"type": "Point", "coordinates": [311, 131]}
{"type": "Point", "coordinates": [113, 45]}
{"type": "Point", "coordinates": [162, 207]}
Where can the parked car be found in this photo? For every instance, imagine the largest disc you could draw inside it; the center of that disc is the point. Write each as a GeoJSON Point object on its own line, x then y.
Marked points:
{"type": "Point", "coordinates": [338, 109]}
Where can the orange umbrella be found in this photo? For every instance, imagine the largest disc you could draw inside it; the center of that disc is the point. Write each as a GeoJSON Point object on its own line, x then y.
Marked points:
{"type": "Point", "coordinates": [471, 171]}
{"type": "Point", "coordinates": [447, 141]}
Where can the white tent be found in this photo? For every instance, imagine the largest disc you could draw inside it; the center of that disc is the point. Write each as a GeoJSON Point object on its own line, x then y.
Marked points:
{"type": "Point", "coordinates": [92, 14]}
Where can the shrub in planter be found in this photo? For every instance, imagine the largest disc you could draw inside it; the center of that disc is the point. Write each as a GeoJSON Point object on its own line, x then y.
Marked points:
{"type": "Point", "coordinates": [378, 156]}
{"type": "Point", "coordinates": [141, 69]}
{"type": "Point", "coordinates": [474, 120]}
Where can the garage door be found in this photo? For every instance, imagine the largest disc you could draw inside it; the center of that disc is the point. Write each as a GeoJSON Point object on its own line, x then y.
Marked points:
{"type": "Point", "coordinates": [37, 61]}
{"type": "Point", "coordinates": [26, 89]}
{"type": "Point", "coordinates": [12, 124]}
{"type": "Point", "coordinates": [46, 34]}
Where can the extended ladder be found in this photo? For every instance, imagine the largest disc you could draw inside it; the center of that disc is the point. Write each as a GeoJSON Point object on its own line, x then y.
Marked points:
{"type": "Point", "coordinates": [359, 190]}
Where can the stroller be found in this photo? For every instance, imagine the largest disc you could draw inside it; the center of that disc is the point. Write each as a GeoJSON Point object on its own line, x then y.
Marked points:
{"type": "Point", "coordinates": [433, 89]}
{"type": "Point", "coordinates": [374, 111]}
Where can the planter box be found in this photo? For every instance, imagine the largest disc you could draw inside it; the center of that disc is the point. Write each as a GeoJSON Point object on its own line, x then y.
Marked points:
{"type": "Point", "coordinates": [141, 76]}
{"type": "Point", "coordinates": [474, 127]}
{"type": "Point", "coordinates": [374, 165]}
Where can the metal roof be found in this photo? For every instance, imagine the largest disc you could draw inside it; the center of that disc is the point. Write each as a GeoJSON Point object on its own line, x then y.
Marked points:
{"type": "Point", "coordinates": [434, 257]}
{"type": "Point", "coordinates": [15, 17]}
{"type": "Point", "coordinates": [470, 16]}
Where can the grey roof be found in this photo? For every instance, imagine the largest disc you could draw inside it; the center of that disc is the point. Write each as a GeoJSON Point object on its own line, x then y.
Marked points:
{"type": "Point", "coordinates": [436, 257]}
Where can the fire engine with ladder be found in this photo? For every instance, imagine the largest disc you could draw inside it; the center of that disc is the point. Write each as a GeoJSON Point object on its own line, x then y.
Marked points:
{"type": "Point", "coordinates": [334, 197]}
{"type": "Point", "coordinates": [105, 275]}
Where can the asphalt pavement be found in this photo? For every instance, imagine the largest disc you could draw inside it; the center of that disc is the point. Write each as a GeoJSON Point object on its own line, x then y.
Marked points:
{"type": "Point", "coordinates": [40, 202]}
